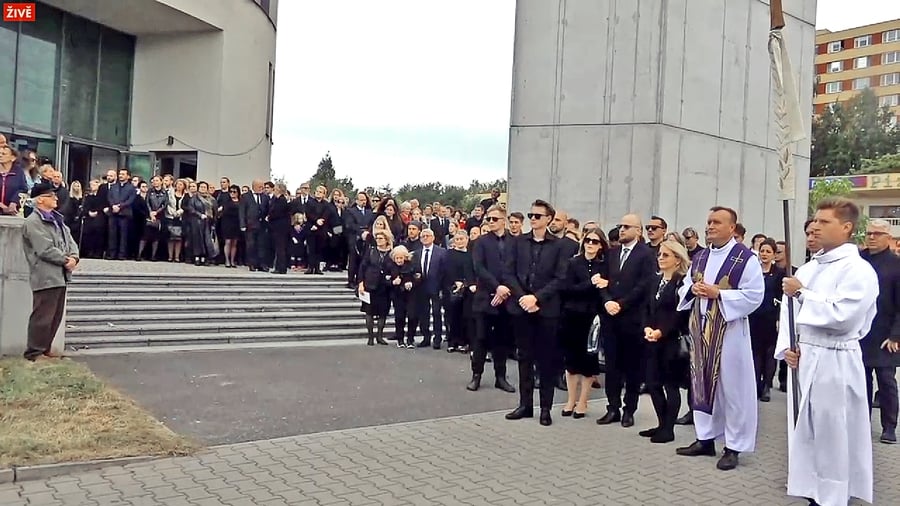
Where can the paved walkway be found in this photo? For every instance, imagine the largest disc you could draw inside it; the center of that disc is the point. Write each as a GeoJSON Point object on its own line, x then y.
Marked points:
{"type": "Point", "coordinates": [469, 460]}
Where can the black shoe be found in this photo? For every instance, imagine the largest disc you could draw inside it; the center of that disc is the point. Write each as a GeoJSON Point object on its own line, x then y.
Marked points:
{"type": "Point", "coordinates": [546, 421]}
{"type": "Point", "coordinates": [520, 413]}
{"type": "Point", "coordinates": [424, 344]}
{"type": "Point", "coordinates": [504, 385]}
{"type": "Point", "coordinates": [371, 342]}
{"type": "Point", "coordinates": [687, 419]}
{"type": "Point", "coordinates": [451, 349]}
{"type": "Point", "coordinates": [698, 448]}
{"type": "Point", "coordinates": [627, 419]}
{"type": "Point", "coordinates": [436, 345]}
{"type": "Point", "coordinates": [783, 387]}
{"type": "Point", "coordinates": [766, 395]}
{"type": "Point", "coordinates": [888, 437]}
{"type": "Point", "coordinates": [475, 383]}
{"type": "Point", "coordinates": [728, 461]}
{"type": "Point", "coordinates": [596, 384]}
{"type": "Point", "coordinates": [611, 416]}
{"type": "Point", "coordinates": [649, 432]}
{"type": "Point", "coordinates": [578, 416]}
{"type": "Point", "coordinates": [567, 413]}
{"type": "Point", "coordinates": [663, 435]}
{"type": "Point", "coordinates": [380, 340]}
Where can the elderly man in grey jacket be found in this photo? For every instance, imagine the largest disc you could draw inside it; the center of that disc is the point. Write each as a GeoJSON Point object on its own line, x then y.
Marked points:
{"type": "Point", "coordinates": [52, 255]}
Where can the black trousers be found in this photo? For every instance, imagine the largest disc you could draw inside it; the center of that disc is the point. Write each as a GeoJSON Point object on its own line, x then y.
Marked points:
{"type": "Point", "coordinates": [280, 243]}
{"type": "Point", "coordinates": [536, 339]}
{"type": "Point", "coordinates": [491, 333]}
{"type": "Point", "coordinates": [623, 346]}
{"type": "Point", "coordinates": [429, 308]}
{"type": "Point", "coordinates": [315, 248]}
{"type": "Point", "coordinates": [405, 318]}
{"type": "Point", "coordinates": [46, 314]}
{"type": "Point", "coordinates": [664, 371]}
{"type": "Point", "coordinates": [256, 247]}
{"type": "Point", "coordinates": [763, 338]}
{"type": "Point", "coordinates": [118, 237]}
{"type": "Point", "coordinates": [887, 394]}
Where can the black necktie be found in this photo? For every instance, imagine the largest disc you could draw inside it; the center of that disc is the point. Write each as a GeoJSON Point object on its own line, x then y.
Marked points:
{"type": "Point", "coordinates": [425, 267]}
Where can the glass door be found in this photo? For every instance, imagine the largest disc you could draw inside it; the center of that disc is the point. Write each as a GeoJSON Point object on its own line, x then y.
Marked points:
{"type": "Point", "coordinates": [139, 164]}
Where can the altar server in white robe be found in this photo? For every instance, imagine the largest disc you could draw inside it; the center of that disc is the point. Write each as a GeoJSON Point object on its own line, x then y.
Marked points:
{"type": "Point", "coordinates": [725, 286]}
{"type": "Point", "coordinates": [830, 448]}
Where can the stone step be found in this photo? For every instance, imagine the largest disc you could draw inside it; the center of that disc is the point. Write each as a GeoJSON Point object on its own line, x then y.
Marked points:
{"type": "Point", "coordinates": [160, 329]}
{"type": "Point", "coordinates": [216, 291]}
{"type": "Point", "coordinates": [189, 301]}
{"type": "Point", "coordinates": [154, 316]}
{"type": "Point", "coordinates": [229, 337]}
{"type": "Point", "coordinates": [201, 274]}
{"type": "Point", "coordinates": [270, 306]}
{"type": "Point", "coordinates": [174, 281]}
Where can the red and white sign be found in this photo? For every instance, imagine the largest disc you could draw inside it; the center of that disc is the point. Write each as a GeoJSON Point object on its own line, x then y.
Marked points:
{"type": "Point", "coordinates": [18, 12]}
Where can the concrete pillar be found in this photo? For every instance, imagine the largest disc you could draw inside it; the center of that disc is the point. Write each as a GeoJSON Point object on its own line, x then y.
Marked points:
{"type": "Point", "coordinates": [15, 292]}
{"type": "Point", "coordinates": [653, 106]}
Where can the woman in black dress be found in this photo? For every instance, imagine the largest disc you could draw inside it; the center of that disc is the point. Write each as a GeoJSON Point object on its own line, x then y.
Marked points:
{"type": "Point", "coordinates": [405, 278]}
{"type": "Point", "coordinates": [664, 325]}
{"type": "Point", "coordinates": [374, 272]}
{"type": "Point", "coordinates": [72, 213]}
{"type": "Point", "coordinates": [157, 202]}
{"type": "Point", "coordinates": [583, 294]}
{"type": "Point", "coordinates": [175, 219]}
{"type": "Point", "coordinates": [764, 322]}
{"type": "Point", "coordinates": [231, 224]}
{"type": "Point", "coordinates": [461, 279]}
{"type": "Point", "coordinates": [319, 224]}
{"type": "Point", "coordinates": [93, 232]}
{"type": "Point", "coordinates": [279, 219]}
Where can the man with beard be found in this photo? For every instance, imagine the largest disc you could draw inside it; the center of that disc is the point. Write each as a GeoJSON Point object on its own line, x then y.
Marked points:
{"type": "Point", "coordinates": [121, 198]}
{"type": "Point", "coordinates": [656, 233]}
{"type": "Point", "coordinates": [632, 266]}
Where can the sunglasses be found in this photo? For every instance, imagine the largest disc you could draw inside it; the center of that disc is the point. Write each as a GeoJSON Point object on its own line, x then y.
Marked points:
{"type": "Point", "coordinates": [536, 216]}
{"type": "Point", "coordinates": [594, 242]}
{"type": "Point", "coordinates": [491, 219]}
{"type": "Point", "coordinates": [652, 228]}
{"type": "Point", "coordinates": [622, 226]}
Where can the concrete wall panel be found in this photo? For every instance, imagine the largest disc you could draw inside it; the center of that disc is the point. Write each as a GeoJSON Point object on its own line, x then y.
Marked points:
{"type": "Point", "coordinates": [702, 91]}
{"type": "Point", "coordinates": [647, 59]}
{"type": "Point", "coordinates": [584, 86]}
{"type": "Point", "coordinates": [580, 171]}
{"type": "Point", "coordinates": [535, 62]}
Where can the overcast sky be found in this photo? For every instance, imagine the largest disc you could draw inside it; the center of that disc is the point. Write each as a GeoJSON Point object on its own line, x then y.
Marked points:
{"type": "Point", "coordinates": [415, 90]}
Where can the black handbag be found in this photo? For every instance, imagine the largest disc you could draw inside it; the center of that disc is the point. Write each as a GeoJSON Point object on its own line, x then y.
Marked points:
{"type": "Point", "coordinates": [685, 346]}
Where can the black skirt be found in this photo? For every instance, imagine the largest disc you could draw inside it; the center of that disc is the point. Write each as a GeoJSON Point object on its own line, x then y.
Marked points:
{"type": "Point", "coordinates": [574, 338]}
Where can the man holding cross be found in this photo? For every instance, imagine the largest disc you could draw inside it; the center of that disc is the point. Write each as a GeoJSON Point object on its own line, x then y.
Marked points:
{"type": "Point", "coordinates": [725, 286]}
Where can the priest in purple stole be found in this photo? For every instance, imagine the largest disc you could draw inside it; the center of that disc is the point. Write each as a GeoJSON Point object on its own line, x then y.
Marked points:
{"type": "Point", "coordinates": [725, 285]}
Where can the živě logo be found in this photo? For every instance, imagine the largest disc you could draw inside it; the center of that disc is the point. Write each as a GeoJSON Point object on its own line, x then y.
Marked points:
{"type": "Point", "coordinates": [18, 12]}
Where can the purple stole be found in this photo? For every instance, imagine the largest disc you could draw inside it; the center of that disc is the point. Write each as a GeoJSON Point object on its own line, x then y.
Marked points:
{"type": "Point", "coordinates": [708, 330]}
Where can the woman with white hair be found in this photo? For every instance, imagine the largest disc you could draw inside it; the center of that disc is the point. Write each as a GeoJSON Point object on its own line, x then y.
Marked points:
{"type": "Point", "coordinates": [663, 330]}
{"type": "Point", "coordinates": [405, 278]}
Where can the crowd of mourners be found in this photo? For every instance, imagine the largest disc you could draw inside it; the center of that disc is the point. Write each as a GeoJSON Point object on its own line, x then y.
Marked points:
{"type": "Point", "coordinates": [541, 288]}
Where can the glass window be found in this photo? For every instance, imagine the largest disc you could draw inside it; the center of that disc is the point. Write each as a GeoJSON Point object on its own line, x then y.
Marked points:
{"type": "Point", "coordinates": [139, 164]}
{"type": "Point", "coordinates": [891, 36]}
{"type": "Point", "coordinates": [834, 87]}
{"type": "Point", "coordinates": [36, 81]}
{"type": "Point", "coordinates": [884, 212]}
{"type": "Point", "coordinates": [861, 83]}
{"type": "Point", "coordinates": [892, 57]}
{"type": "Point", "coordinates": [116, 61]}
{"type": "Point", "coordinates": [836, 46]}
{"type": "Point", "coordinates": [835, 66]}
{"type": "Point", "coordinates": [890, 79]}
{"type": "Point", "coordinates": [78, 77]}
{"type": "Point", "coordinates": [889, 101]}
{"type": "Point", "coordinates": [8, 35]}
{"type": "Point", "coordinates": [861, 62]}
{"type": "Point", "coordinates": [864, 41]}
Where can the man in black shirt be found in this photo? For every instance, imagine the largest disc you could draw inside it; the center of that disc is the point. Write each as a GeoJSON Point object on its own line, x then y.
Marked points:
{"type": "Point", "coordinates": [534, 271]}
{"type": "Point", "coordinates": [691, 242]}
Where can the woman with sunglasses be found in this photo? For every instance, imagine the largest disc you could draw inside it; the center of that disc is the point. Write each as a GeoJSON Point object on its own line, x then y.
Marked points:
{"type": "Point", "coordinates": [664, 325]}
{"type": "Point", "coordinates": [583, 293]}
{"type": "Point", "coordinates": [231, 224]}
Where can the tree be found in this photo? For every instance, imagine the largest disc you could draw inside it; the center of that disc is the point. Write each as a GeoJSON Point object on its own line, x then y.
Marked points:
{"type": "Point", "coordinates": [325, 176]}
{"type": "Point", "coordinates": [846, 134]}
{"type": "Point", "coordinates": [279, 179]}
{"type": "Point", "coordinates": [828, 188]}
{"type": "Point", "coordinates": [432, 192]}
{"type": "Point", "coordinates": [476, 187]}
{"type": "Point", "coordinates": [882, 165]}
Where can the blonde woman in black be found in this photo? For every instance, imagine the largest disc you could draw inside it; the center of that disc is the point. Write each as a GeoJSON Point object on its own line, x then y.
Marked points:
{"type": "Point", "coordinates": [375, 281]}
{"type": "Point", "coordinates": [405, 280]}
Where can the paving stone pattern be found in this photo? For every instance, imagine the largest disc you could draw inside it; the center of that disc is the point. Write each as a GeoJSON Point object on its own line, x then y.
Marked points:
{"type": "Point", "coordinates": [469, 460]}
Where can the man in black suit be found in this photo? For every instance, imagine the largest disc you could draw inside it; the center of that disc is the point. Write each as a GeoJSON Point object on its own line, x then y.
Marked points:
{"type": "Point", "coordinates": [632, 269]}
{"type": "Point", "coordinates": [491, 318]}
{"type": "Point", "coordinates": [494, 200]}
{"type": "Point", "coordinates": [434, 266]}
{"type": "Point", "coordinates": [357, 221]}
{"type": "Point", "coordinates": [534, 271]}
{"type": "Point", "coordinates": [319, 223]}
{"type": "Point", "coordinates": [252, 211]}
{"type": "Point", "coordinates": [120, 197]}
{"type": "Point", "coordinates": [441, 226]}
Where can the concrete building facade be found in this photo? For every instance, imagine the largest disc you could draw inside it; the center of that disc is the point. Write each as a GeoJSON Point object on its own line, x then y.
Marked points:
{"type": "Point", "coordinates": [183, 87]}
{"type": "Point", "coordinates": [654, 107]}
{"type": "Point", "coordinates": [852, 60]}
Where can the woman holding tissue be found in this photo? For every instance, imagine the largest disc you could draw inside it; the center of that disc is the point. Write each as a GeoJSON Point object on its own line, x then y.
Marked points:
{"type": "Point", "coordinates": [583, 294]}
{"type": "Point", "coordinates": [663, 329]}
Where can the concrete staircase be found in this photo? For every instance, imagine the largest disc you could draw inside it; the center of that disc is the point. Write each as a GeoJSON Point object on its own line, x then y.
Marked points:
{"type": "Point", "coordinates": [128, 309]}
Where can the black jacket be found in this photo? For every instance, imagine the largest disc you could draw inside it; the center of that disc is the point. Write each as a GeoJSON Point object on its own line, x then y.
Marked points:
{"type": "Point", "coordinates": [630, 285]}
{"type": "Point", "coordinates": [356, 221]}
{"type": "Point", "coordinates": [487, 265]}
{"type": "Point", "coordinates": [251, 214]}
{"type": "Point", "coordinates": [662, 313]}
{"type": "Point", "coordinates": [535, 268]}
{"type": "Point", "coordinates": [579, 295]}
{"type": "Point", "coordinates": [885, 325]}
